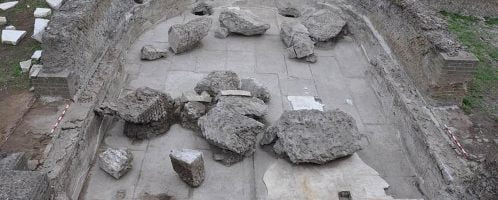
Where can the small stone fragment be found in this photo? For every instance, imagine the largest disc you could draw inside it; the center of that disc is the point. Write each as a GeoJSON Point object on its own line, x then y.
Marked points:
{"type": "Point", "coordinates": [42, 12]}
{"type": "Point", "coordinates": [248, 106]}
{"type": "Point", "coordinates": [189, 165]}
{"type": "Point", "coordinates": [36, 55]}
{"type": "Point", "coordinates": [40, 25]}
{"type": "Point", "coordinates": [221, 33]}
{"type": "Point", "coordinates": [25, 65]}
{"type": "Point", "coordinates": [54, 4]}
{"type": "Point", "coordinates": [116, 162]}
{"type": "Point", "coordinates": [242, 22]}
{"type": "Point", "coordinates": [150, 52]}
{"type": "Point", "coordinates": [191, 112]}
{"type": "Point", "coordinates": [217, 81]}
{"type": "Point", "coordinates": [12, 37]}
{"type": "Point", "coordinates": [3, 21]}
{"type": "Point", "coordinates": [323, 25]}
{"type": "Point", "coordinates": [183, 37]}
{"type": "Point", "coordinates": [257, 89]}
{"type": "Point", "coordinates": [235, 93]}
{"type": "Point", "coordinates": [202, 8]}
{"type": "Point", "coordinates": [297, 38]}
{"type": "Point", "coordinates": [7, 5]}
{"type": "Point", "coordinates": [194, 97]}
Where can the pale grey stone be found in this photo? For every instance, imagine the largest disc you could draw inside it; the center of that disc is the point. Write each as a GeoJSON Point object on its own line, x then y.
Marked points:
{"type": "Point", "coordinates": [189, 165]}
{"type": "Point", "coordinates": [296, 37]}
{"type": "Point", "coordinates": [149, 52]}
{"type": "Point", "coordinates": [116, 162]}
{"type": "Point", "coordinates": [235, 93]}
{"type": "Point", "coordinates": [247, 106]}
{"type": "Point", "coordinates": [12, 37]}
{"type": "Point", "coordinates": [323, 25]}
{"type": "Point", "coordinates": [221, 33]}
{"type": "Point", "coordinates": [183, 37]}
{"type": "Point", "coordinates": [257, 89]}
{"type": "Point", "coordinates": [312, 136]}
{"type": "Point", "coordinates": [242, 22]}
{"type": "Point", "coordinates": [216, 81]}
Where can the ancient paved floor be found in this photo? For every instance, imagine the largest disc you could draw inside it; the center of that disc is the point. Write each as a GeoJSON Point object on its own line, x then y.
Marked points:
{"type": "Point", "coordinates": [338, 76]}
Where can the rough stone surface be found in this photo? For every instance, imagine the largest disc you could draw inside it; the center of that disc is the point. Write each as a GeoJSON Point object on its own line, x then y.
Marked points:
{"type": "Point", "coordinates": [191, 112]}
{"type": "Point", "coordinates": [183, 37]}
{"type": "Point", "coordinates": [3, 21]}
{"type": "Point", "coordinates": [13, 161]}
{"type": "Point", "coordinates": [21, 185]}
{"type": "Point", "coordinates": [42, 12]}
{"type": "Point", "coordinates": [194, 97]}
{"type": "Point", "coordinates": [312, 136]}
{"type": "Point", "coordinates": [217, 81]}
{"type": "Point", "coordinates": [323, 25]}
{"type": "Point", "coordinates": [189, 165]}
{"type": "Point", "coordinates": [257, 89]}
{"type": "Point", "coordinates": [202, 8]}
{"type": "Point", "coordinates": [40, 25]}
{"type": "Point", "coordinates": [247, 106]}
{"type": "Point", "coordinates": [230, 131]}
{"type": "Point", "coordinates": [221, 33]}
{"type": "Point", "coordinates": [12, 37]}
{"type": "Point", "coordinates": [296, 37]}
{"type": "Point", "coordinates": [150, 52]}
{"type": "Point", "coordinates": [242, 22]}
{"type": "Point", "coordinates": [7, 5]}
{"type": "Point", "coordinates": [116, 162]}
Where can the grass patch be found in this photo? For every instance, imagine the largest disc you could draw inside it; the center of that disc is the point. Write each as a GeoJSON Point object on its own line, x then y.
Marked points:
{"type": "Point", "coordinates": [485, 84]}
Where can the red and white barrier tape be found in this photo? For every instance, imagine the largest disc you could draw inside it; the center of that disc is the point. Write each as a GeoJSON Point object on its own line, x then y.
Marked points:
{"type": "Point", "coordinates": [457, 143]}
{"type": "Point", "coordinates": [59, 119]}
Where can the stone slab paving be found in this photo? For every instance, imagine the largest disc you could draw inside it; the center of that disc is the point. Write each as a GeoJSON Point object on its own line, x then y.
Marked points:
{"type": "Point", "coordinates": [336, 79]}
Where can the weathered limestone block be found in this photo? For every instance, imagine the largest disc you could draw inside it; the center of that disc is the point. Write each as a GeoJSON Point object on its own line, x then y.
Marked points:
{"type": "Point", "coordinates": [312, 136]}
{"type": "Point", "coordinates": [183, 37]}
{"type": "Point", "coordinates": [257, 89]}
{"type": "Point", "coordinates": [116, 162]}
{"type": "Point", "coordinates": [202, 8]}
{"type": "Point", "coordinates": [147, 112]}
{"type": "Point", "coordinates": [217, 81]}
{"type": "Point", "coordinates": [189, 165]}
{"type": "Point", "coordinates": [150, 52]}
{"type": "Point", "coordinates": [230, 131]}
{"type": "Point", "coordinates": [247, 106]}
{"type": "Point", "coordinates": [296, 37]}
{"type": "Point", "coordinates": [323, 25]}
{"type": "Point", "coordinates": [191, 112]}
{"type": "Point", "coordinates": [242, 22]}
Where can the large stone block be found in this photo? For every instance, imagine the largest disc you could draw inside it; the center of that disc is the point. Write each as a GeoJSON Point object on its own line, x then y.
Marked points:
{"type": "Point", "coordinates": [189, 165]}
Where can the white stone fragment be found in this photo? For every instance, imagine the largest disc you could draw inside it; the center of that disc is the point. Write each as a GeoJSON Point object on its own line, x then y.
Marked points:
{"type": "Point", "coordinates": [8, 5]}
{"type": "Point", "coordinates": [3, 21]}
{"type": "Point", "coordinates": [36, 55]}
{"type": "Point", "coordinates": [35, 69]}
{"type": "Point", "coordinates": [304, 103]}
{"type": "Point", "coordinates": [25, 65]}
{"type": "Point", "coordinates": [42, 12]}
{"type": "Point", "coordinates": [40, 25]}
{"type": "Point", "coordinates": [10, 27]}
{"type": "Point", "coordinates": [115, 162]}
{"type": "Point", "coordinates": [55, 4]}
{"type": "Point", "coordinates": [235, 93]}
{"type": "Point", "coordinates": [12, 36]}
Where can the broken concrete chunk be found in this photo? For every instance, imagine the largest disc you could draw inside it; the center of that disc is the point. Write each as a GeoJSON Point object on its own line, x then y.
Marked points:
{"type": "Point", "coordinates": [235, 93]}
{"type": "Point", "coordinates": [242, 22]}
{"type": "Point", "coordinates": [247, 106]}
{"type": "Point", "coordinates": [312, 136]}
{"type": "Point", "coordinates": [217, 81]}
{"type": "Point", "coordinates": [42, 12]}
{"type": "Point", "coordinates": [150, 52]}
{"type": "Point", "coordinates": [230, 131]}
{"type": "Point", "coordinates": [7, 5]}
{"type": "Point", "coordinates": [3, 21]}
{"type": "Point", "coordinates": [40, 25]}
{"type": "Point", "coordinates": [13, 161]}
{"type": "Point", "coordinates": [194, 97]}
{"type": "Point", "coordinates": [25, 66]}
{"type": "Point", "coordinates": [54, 4]}
{"type": "Point", "coordinates": [189, 165]}
{"type": "Point", "coordinates": [191, 112]}
{"type": "Point", "coordinates": [221, 33]}
{"type": "Point", "coordinates": [304, 103]}
{"type": "Point", "coordinates": [116, 162]}
{"type": "Point", "coordinates": [202, 8]}
{"type": "Point", "coordinates": [183, 37]}
{"type": "Point", "coordinates": [257, 89]}
{"type": "Point", "coordinates": [296, 37]}
{"type": "Point", "coordinates": [323, 25]}
{"type": "Point", "coordinates": [36, 55]}
{"type": "Point", "coordinates": [12, 37]}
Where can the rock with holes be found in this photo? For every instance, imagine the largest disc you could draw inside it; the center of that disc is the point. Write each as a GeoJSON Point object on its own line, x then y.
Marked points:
{"type": "Point", "coordinates": [191, 112]}
{"type": "Point", "coordinates": [146, 112]}
{"type": "Point", "coordinates": [257, 89]}
{"type": "Point", "coordinates": [202, 8]}
{"type": "Point", "coordinates": [189, 165]}
{"type": "Point", "coordinates": [323, 25]}
{"type": "Point", "coordinates": [297, 39]}
{"type": "Point", "coordinates": [150, 52]}
{"type": "Point", "coordinates": [247, 106]}
{"type": "Point", "coordinates": [230, 131]}
{"type": "Point", "coordinates": [312, 136]}
{"type": "Point", "coordinates": [183, 37]}
{"type": "Point", "coordinates": [242, 22]}
{"type": "Point", "coordinates": [116, 162]}
{"type": "Point", "coordinates": [216, 81]}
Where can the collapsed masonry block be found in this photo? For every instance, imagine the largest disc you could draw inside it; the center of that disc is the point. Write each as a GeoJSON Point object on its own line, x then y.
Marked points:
{"type": "Point", "coordinates": [183, 37]}
{"type": "Point", "coordinates": [116, 162]}
{"type": "Point", "coordinates": [189, 165]}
